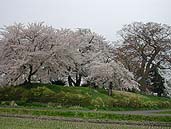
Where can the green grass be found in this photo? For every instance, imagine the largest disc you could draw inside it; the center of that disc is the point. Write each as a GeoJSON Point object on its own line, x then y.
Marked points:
{"type": "Point", "coordinates": [46, 95]}
{"type": "Point", "coordinates": [164, 112]}
{"type": "Point", "coordinates": [16, 123]}
{"type": "Point", "coordinates": [83, 114]}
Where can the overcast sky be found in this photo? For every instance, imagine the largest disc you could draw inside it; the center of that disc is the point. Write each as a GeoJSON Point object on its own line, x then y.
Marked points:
{"type": "Point", "coordinates": [102, 16]}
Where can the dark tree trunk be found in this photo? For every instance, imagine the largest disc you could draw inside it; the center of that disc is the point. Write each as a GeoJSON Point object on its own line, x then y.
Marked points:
{"type": "Point", "coordinates": [158, 83]}
{"type": "Point", "coordinates": [159, 94]}
{"type": "Point", "coordinates": [110, 89]}
{"type": "Point", "coordinates": [143, 83]}
{"type": "Point", "coordinates": [78, 80]}
{"type": "Point", "coordinates": [70, 81]}
{"type": "Point", "coordinates": [29, 79]}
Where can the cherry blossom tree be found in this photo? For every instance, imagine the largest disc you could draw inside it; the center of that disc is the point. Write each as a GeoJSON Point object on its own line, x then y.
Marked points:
{"type": "Point", "coordinates": [40, 53]}
{"type": "Point", "coordinates": [25, 50]}
{"type": "Point", "coordinates": [104, 73]}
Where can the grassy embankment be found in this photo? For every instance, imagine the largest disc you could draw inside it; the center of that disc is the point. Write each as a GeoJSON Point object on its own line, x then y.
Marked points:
{"type": "Point", "coordinates": [41, 95]}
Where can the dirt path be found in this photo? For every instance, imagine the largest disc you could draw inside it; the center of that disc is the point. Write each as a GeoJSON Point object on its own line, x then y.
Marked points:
{"type": "Point", "coordinates": [137, 112]}
{"type": "Point", "coordinates": [145, 112]}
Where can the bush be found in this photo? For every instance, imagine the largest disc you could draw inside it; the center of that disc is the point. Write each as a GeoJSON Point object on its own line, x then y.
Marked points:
{"type": "Point", "coordinates": [42, 94]}
{"type": "Point", "coordinates": [132, 102]}
{"type": "Point", "coordinates": [14, 93]}
{"type": "Point", "coordinates": [58, 82]}
{"type": "Point", "coordinates": [85, 85]}
{"type": "Point", "coordinates": [51, 104]}
{"type": "Point", "coordinates": [13, 104]}
{"type": "Point", "coordinates": [135, 102]}
{"type": "Point", "coordinates": [164, 104]}
{"type": "Point", "coordinates": [98, 102]}
{"type": "Point", "coordinates": [5, 103]}
{"type": "Point", "coordinates": [76, 99]}
{"type": "Point", "coordinates": [156, 104]}
{"type": "Point", "coordinates": [76, 108]}
{"type": "Point", "coordinates": [60, 98]}
{"type": "Point", "coordinates": [150, 105]}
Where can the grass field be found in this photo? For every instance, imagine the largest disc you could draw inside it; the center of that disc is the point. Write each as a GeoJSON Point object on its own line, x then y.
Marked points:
{"type": "Point", "coordinates": [164, 112]}
{"type": "Point", "coordinates": [83, 114]}
{"type": "Point", "coordinates": [17, 123]}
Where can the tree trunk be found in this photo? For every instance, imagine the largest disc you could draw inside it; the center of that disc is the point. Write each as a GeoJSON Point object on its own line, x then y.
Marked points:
{"type": "Point", "coordinates": [159, 94]}
{"type": "Point", "coordinates": [78, 80]}
{"type": "Point", "coordinates": [28, 79]}
{"type": "Point", "coordinates": [70, 81]}
{"type": "Point", "coordinates": [143, 84]}
{"type": "Point", "coordinates": [110, 89]}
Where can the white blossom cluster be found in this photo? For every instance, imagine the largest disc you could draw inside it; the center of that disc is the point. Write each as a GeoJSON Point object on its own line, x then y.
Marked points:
{"type": "Point", "coordinates": [40, 53]}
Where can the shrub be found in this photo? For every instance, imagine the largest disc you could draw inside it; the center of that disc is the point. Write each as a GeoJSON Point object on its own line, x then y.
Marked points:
{"type": "Point", "coordinates": [51, 104]}
{"type": "Point", "coordinates": [13, 104]}
{"type": "Point", "coordinates": [5, 103]}
{"type": "Point", "coordinates": [76, 99]}
{"type": "Point", "coordinates": [60, 97]}
{"type": "Point", "coordinates": [26, 96]}
{"type": "Point", "coordinates": [14, 93]}
{"type": "Point", "coordinates": [150, 104]}
{"type": "Point", "coordinates": [75, 108]}
{"type": "Point", "coordinates": [58, 82]}
{"type": "Point", "coordinates": [164, 104]}
{"type": "Point", "coordinates": [42, 94]}
{"type": "Point", "coordinates": [98, 102]}
{"type": "Point", "coordinates": [135, 102]}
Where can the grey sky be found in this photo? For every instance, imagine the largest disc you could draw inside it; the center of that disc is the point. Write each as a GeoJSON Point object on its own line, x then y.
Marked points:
{"type": "Point", "coordinates": [102, 16]}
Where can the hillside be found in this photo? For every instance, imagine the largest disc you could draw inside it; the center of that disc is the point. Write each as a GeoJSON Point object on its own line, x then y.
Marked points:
{"type": "Point", "coordinates": [45, 95]}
